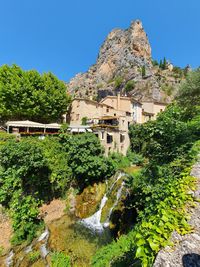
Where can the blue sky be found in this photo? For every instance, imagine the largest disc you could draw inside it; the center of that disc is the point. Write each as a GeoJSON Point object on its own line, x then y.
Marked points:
{"type": "Point", "coordinates": [64, 36]}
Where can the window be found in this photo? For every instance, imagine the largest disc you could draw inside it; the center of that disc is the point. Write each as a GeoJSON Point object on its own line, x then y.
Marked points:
{"type": "Point", "coordinates": [107, 109]}
{"type": "Point", "coordinates": [102, 135]}
{"type": "Point", "coordinates": [122, 138]}
{"type": "Point", "coordinates": [109, 138]}
{"type": "Point", "coordinates": [161, 110]}
{"type": "Point", "coordinates": [77, 117]}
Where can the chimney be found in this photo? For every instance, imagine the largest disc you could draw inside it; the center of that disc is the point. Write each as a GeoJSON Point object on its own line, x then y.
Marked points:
{"type": "Point", "coordinates": [118, 101]}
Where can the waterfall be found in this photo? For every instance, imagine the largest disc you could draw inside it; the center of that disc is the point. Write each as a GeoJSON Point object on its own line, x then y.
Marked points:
{"type": "Point", "coordinates": [9, 259]}
{"type": "Point", "coordinates": [119, 192]}
{"type": "Point", "coordinates": [94, 222]}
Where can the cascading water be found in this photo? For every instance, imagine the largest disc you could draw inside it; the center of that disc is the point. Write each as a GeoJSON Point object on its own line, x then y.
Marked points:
{"type": "Point", "coordinates": [119, 192]}
{"type": "Point", "coordinates": [94, 222]}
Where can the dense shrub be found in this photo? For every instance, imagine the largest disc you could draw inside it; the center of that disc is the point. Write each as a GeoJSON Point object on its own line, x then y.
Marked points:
{"type": "Point", "coordinates": [86, 158]}
{"type": "Point", "coordinates": [59, 259]}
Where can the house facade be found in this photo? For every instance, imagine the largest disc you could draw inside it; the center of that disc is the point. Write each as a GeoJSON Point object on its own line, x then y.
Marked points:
{"type": "Point", "coordinates": [107, 122]}
{"type": "Point", "coordinates": [126, 104]}
{"type": "Point", "coordinates": [151, 109]}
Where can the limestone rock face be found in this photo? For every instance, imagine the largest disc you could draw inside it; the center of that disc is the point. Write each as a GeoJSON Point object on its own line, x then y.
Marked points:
{"type": "Point", "coordinates": [124, 56]}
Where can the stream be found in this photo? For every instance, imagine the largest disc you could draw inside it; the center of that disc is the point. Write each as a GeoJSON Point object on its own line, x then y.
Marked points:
{"type": "Point", "coordinates": [78, 238]}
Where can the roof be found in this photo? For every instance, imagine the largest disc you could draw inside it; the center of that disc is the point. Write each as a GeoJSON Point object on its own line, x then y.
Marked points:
{"type": "Point", "coordinates": [147, 113]}
{"type": "Point", "coordinates": [92, 102]}
{"type": "Point", "coordinates": [32, 124]}
{"type": "Point", "coordinates": [156, 102]}
{"type": "Point", "coordinates": [79, 128]}
{"type": "Point", "coordinates": [121, 98]}
{"type": "Point", "coordinates": [26, 123]}
{"type": "Point", "coordinates": [52, 126]}
{"type": "Point", "coordinates": [108, 118]}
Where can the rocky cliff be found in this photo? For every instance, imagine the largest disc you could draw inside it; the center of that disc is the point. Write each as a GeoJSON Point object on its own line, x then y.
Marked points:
{"type": "Point", "coordinates": [124, 64]}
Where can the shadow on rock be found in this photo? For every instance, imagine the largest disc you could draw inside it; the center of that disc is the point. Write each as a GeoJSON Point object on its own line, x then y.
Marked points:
{"type": "Point", "coordinates": [191, 260]}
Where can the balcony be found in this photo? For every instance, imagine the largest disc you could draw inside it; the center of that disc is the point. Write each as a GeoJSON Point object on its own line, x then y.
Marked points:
{"type": "Point", "coordinates": [107, 122]}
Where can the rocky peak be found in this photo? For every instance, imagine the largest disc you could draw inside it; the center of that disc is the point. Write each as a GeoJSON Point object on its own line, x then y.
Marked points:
{"type": "Point", "coordinates": [121, 59]}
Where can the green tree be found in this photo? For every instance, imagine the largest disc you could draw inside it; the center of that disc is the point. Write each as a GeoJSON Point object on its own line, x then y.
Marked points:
{"type": "Point", "coordinates": [188, 96]}
{"type": "Point", "coordinates": [86, 158]}
{"type": "Point", "coordinates": [29, 95]}
{"type": "Point", "coordinates": [164, 64]}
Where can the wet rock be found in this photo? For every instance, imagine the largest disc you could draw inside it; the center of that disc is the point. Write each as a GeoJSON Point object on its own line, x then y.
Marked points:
{"type": "Point", "coordinates": [88, 201]}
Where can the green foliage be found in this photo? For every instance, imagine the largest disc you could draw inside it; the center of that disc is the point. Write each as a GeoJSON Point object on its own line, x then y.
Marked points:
{"type": "Point", "coordinates": [188, 96]}
{"type": "Point", "coordinates": [23, 166]}
{"type": "Point", "coordinates": [119, 161]}
{"type": "Point", "coordinates": [29, 95]}
{"type": "Point", "coordinates": [6, 137]}
{"type": "Point", "coordinates": [160, 203]}
{"type": "Point", "coordinates": [85, 157]}
{"type": "Point", "coordinates": [34, 256]}
{"type": "Point", "coordinates": [59, 172]}
{"type": "Point", "coordinates": [84, 121]}
{"type": "Point", "coordinates": [59, 259]}
{"type": "Point", "coordinates": [159, 193]}
{"type": "Point", "coordinates": [164, 139]}
{"type": "Point", "coordinates": [64, 127]}
{"type": "Point", "coordinates": [135, 158]}
{"type": "Point", "coordinates": [178, 72]}
{"type": "Point", "coordinates": [118, 81]}
{"type": "Point", "coordinates": [168, 89]}
{"type": "Point", "coordinates": [1, 250]}
{"type": "Point", "coordinates": [163, 64]}
{"type": "Point", "coordinates": [23, 182]}
{"type": "Point", "coordinates": [24, 214]}
{"type": "Point", "coordinates": [155, 63]}
{"type": "Point", "coordinates": [130, 85]}
{"type": "Point", "coordinates": [143, 71]}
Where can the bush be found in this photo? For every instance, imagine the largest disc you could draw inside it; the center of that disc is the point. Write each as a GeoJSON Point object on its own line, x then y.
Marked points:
{"type": "Point", "coordinates": [135, 158]}
{"type": "Point", "coordinates": [33, 256]}
{"type": "Point", "coordinates": [86, 158]}
{"type": "Point", "coordinates": [118, 81]}
{"type": "Point", "coordinates": [59, 259]}
{"type": "Point", "coordinates": [24, 214]}
{"type": "Point", "coordinates": [119, 161]}
{"type": "Point", "coordinates": [130, 85]}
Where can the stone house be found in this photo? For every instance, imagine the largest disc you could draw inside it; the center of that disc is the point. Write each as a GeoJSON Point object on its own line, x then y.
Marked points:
{"type": "Point", "coordinates": [108, 123]}
{"type": "Point", "coordinates": [150, 110]}
{"type": "Point", "coordinates": [110, 119]}
{"type": "Point", "coordinates": [126, 104]}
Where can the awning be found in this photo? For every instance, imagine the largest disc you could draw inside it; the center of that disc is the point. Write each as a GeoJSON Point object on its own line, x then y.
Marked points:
{"type": "Point", "coordinates": [26, 123]}
{"type": "Point", "coordinates": [32, 124]}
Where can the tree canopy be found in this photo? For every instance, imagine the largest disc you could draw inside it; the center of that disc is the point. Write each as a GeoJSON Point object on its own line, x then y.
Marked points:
{"type": "Point", "coordinates": [30, 95]}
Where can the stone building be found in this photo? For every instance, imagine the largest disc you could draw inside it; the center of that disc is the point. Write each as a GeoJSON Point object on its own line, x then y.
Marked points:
{"type": "Point", "coordinates": [110, 119]}
{"type": "Point", "coordinates": [108, 123]}
{"type": "Point", "coordinates": [151, 109]}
